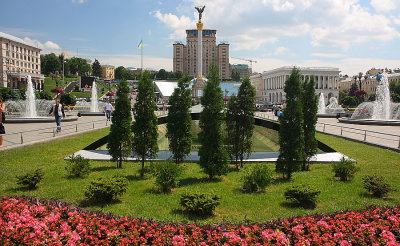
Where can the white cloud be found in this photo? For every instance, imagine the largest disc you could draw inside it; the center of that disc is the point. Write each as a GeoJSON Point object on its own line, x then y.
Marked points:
{"type": "Point", "coordinates": [47, 47]}
{"type": "Point", "coordinates": [79, 1]}
{"type": "Point", "coordinates": [327, 55]}
{"type": "Point", "coordinates": [251, 24]}
{"type": "Point", "coordinates": [385, 5]}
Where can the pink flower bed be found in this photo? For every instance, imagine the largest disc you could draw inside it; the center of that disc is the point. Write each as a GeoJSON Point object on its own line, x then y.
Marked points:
{"type": "Point", "coordinates": [28, 221]}
{"type": "Point", "coordinates": [57, 90]}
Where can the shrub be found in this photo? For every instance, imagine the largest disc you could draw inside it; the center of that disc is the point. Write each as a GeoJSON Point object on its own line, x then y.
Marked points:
{"type": "Point", "coordinates": [30, 179]}
{"type": "Point", "coordinates": [57, 90]}
{"type": "Point", "coordinates": [302, 195]}
{"type": "Point", "coordinates": [345, 169]}
{"type": "Point", "coordinates": [167, 174]}
{"type": "Point", "coordinates": [78, 166]}
{"type": "Point", "coordinates": [256, 178]}
{"type": "Point", "coordinates": [106, 189]}
{"type": "Point", "coordinates": [68, 99]}
{"type": "Point", "coordinates": [376, 185]}
{"type": "Point", "coordinates": [199, 204]}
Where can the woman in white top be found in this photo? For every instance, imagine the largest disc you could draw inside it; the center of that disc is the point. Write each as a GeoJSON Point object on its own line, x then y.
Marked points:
{"type": "Point", "coordinates": [108, 108]}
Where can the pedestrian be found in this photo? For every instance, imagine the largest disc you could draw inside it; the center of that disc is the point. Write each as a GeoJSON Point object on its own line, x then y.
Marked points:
{"type": "Point", "coordinates": [58, 111]}
{"type": "Point", "coordinates": [2, 119]}
{"type": "Point", "coordinates": [108, 108]}
{"type": "Point", "coordinates": [279, 114]}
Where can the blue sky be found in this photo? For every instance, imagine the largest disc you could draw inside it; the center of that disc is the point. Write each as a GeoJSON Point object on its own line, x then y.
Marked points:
{"type": "Point", "coordinates": [353, 35]}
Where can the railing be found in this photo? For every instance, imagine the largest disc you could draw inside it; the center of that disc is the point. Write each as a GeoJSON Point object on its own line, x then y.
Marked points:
{"type": "Point", "coordinates": [367, 136]}
{"type": "Point", "coordinates": [43, 134]}
{"type": "Point", "coordinates": [391, 140]}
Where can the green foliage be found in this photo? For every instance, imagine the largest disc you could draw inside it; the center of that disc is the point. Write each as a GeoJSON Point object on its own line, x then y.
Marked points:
{"type": "Point", "coordinates": [10, 94]}
{"type": "Point", "coordinates": [235, 75]}
{"type": "Point", "coordinates": [372, 97]}
{"type": "Point", "coordinates": [376, 185]}
{"type": "Point", "coordinates": [395, 97]}
{"type": "Point", "coordinates": [145, 126]}
{"type": "Point", "coordinates": [68, 99]}
{"type": "Point", "coordinates": [353, 89]}
{"type": "Point", "coordinates": [121, 73]}
{"type": "Point", "coordinates": [199, 204]}
{"type": "Point", "coordinates": [256, 178]}
{"type": "Point", "coordinates": [302, 195]}
{"type": "Point", "coordinates": [44, 95]}
{"type": "Point", "coordinates": [350, 101]}
{"type": "Point", "coordinates": [167, 175]}
{"type": "Point", "coordinates": [163, 75]}
{"type": "Point", "coordinates": [395, 87]}
{"type": "Point", "coordinates": [50, 63]}
{"type": "Point", "coordinates": [240, 122]}
{"type": "Point", "coordinates": [96, 68]}
{"type": "Point", "coordinates": [345, 169]}
{"type": "Point", "coordinates": [310, 109]}
{"type": "Point", "coordinates": [291, 132]}
{"type": "Point", "coordinates": [30, 179]}
{"type": "Point", "coordinates": [213, 155]}
{"type": "Point", "coordinates": [106, 189]}
{"type": "Point", "coordinates": [77, 166]}
{"type": "Point", "coordinates": [120, 137]}
{"type": "Point", "coordinates": [180, 121]}
{"type": "Point", "coordinates": [78, 66]}
{"type": "Point", "coordinates": [342, 94]}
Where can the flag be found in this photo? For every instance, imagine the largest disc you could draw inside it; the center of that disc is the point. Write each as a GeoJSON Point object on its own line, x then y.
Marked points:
{"type": "Point", "coordinates": [140, 44]}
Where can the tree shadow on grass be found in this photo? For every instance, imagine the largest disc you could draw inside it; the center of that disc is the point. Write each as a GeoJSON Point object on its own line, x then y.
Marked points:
{"type": "Point", "coordinates": [369, 195]}
{"type": "Point", "coordinates": [135, 177]}
{"type": "Point", "coordinates": [100, 169]}
{"type": "Point", "coordinates": [191, 217]}
{"type": "Point", "coordinates": [192, 181]}
{"type": "Point", "coordinates": [88, 203]}
{"type": "Point", "coordinates": [280, 180]}
{"type": "Point", "coordinates": [293, 205]}
{"type": "Point", "coordinates": [22, 188]}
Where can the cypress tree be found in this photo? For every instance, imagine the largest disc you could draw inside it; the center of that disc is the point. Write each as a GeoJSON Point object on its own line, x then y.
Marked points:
{"type": "Point", "coordinates": [180, 121]}
{"type": "Point", "coordinates": [213, 155]}
{"type": "Point", "coordinates": [240, 121]}
{"type": "Point", "coordinates": [310, 109]}
{"type": "Point", "coordinates": [120, 137]}
{"type": "Point", "coordinates": [96, 68]}
{"type": "Point", "coordinates": [291, 133]}
{"type": "Point", "coordinates": [145, 125]}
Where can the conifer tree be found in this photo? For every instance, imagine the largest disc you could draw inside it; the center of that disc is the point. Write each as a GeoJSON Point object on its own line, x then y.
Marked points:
{"type": "Point", "coordinates": [291, 133]}
{"type": "Point", "coordinates": [213, 155]}
{"type": "Point", "coordinates": [240, 122]}
{"type": "Point", "coordinates": [120, 137]}
{"type": "Point", "coordinates": [145, 121]}
{"type": "Point", "coordinates": [310, 109]}
{"type": "Point", "coordinates": [180, 121]}
{"type": "Point", "coordinates": [96, 68]}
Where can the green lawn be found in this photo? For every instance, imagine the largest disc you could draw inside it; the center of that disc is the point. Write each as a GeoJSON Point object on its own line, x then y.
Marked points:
{"type": "Point", "coordinates": [142, 200]}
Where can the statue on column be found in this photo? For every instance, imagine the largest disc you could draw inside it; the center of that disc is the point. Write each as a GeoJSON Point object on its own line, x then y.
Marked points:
{"type": "Point", "coordinates": [200, 9]}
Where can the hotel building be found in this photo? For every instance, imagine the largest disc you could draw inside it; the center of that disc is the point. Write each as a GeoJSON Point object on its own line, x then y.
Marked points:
{"type": "Point", "coordinates": [18, 59]}
{"type": "Point", "coordinates": [107, 72]}
{"type": "Point", "coordinates": [185, 56]}
{"type": "Point", "coordinates": [326, 81]}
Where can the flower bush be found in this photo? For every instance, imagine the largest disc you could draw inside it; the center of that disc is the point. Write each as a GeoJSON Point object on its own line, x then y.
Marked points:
{"type": "Point", "coordinates": [57, 90]}
{"type": "Point", "coordinates": [110, 94]}
{"type": "Point", "coordinates": [29, 221]}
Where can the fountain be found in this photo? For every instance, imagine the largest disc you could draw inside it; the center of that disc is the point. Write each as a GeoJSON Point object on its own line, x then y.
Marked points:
{"type": "Point", "coordinates": [380, 112]}
{"type": "Point", "coordinates": [94, 104]}
{"type": "Point", "coordinates": [31, 110]}
{"type": "Point", "coordinates": [330, 111]}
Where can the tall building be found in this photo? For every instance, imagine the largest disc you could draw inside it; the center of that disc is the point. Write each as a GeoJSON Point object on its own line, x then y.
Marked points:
{"type": "Point", "coordinates": [107, 72]}
{"type": "Point", "coordinates": [185, 56]}
{"type": "Point", "coordinates": [326, 81]}
{"type": "Point", "coordinates": [243, 70]}
{"type": "Point", "coordinates": [18, 59]}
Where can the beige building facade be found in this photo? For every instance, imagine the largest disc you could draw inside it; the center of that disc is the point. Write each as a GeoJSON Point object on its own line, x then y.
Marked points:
{"type": "Point", "coordinates": [326, 82]}
{"type": "Point", "coordinates": [19, 59]}
{"type": "Point", "coordinates": [108, 72]}
{"type": "Point", "coordinates": [257, 81]}
{"type": "Point", "coordinates": [185, 56]}
{"type": "Point", "coordinates": [368, 84]}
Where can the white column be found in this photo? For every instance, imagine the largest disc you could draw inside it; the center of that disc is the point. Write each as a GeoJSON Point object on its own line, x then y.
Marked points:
{"type": "Point", "coordinates": [200, 52]}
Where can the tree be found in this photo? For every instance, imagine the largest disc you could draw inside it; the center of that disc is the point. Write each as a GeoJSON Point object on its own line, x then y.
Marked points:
{"type": "Point", "coordinates": [213, 155]}
{"type": "Point", "coordinates": [145, 126]}
{"type": "Point", "coordinates": [310, 109]}
{"type": "Point", "coordinates": [120, 138]}
{"type": "Point", "coordinates": [78, 66]}
{"type": "Point", "coordinates": [96, 68]}
{"type": "Point", "coordinates": [50, 63]}
{"type": "Point", "coordinates": [235, 75]}
{"type": "Point", "coordinates": [353, 89]}
{"type": "Point", "coordinates": [68, 99]}
{"type": "Point", "coordinates": [240, 122]}
{"type": "Point", "coordinates": [162, 74]}
{"type": "Point", "coordinates": [180, 121]}
{"type": "Point", "coordinates": [121, 73]}
{"type": "Point", "coordinates": [342, 94]}
{"type": "Point", "coordinates": [291, 133]}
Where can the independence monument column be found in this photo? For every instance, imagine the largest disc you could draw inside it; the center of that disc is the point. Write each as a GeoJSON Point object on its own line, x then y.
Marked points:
{"type": "Point", "coordinates": [200, 9]}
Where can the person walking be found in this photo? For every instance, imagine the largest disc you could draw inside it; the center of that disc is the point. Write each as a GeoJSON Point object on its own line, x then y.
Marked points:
{"type": "Point", "coordinates": [58, 110]}
{"type": "Point", "coordinates": [2, 119]}
{"type": "Point", "coordinates": [108, 108]}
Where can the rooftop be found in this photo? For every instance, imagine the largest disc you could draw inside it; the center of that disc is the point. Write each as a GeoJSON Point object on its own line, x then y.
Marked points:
{"type": "Point", "coordinates": [15, 39]}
